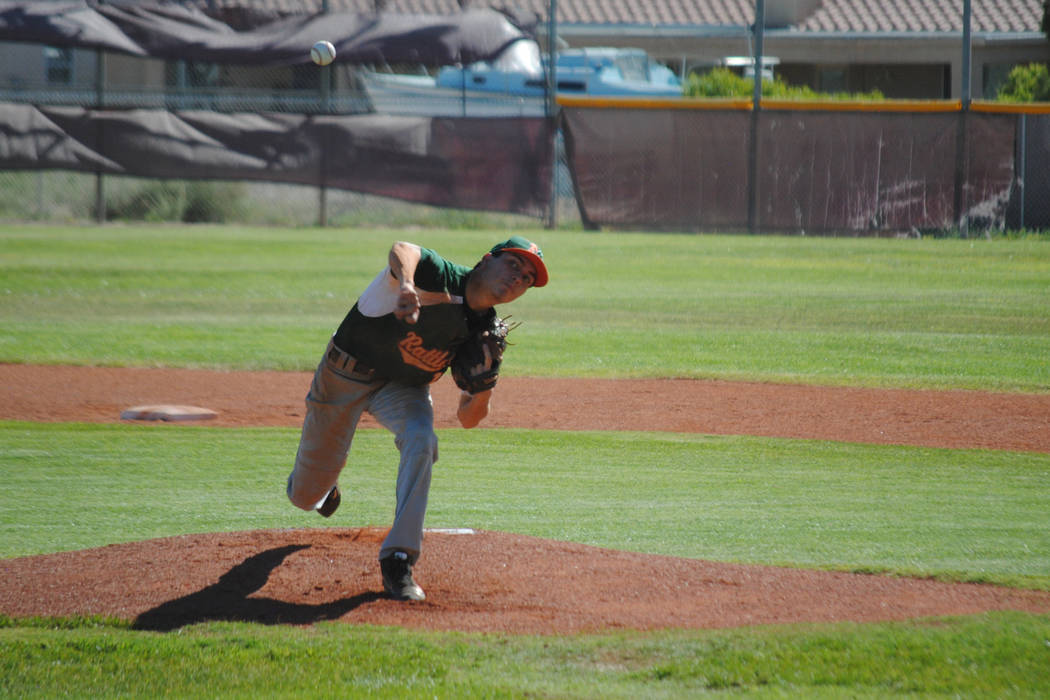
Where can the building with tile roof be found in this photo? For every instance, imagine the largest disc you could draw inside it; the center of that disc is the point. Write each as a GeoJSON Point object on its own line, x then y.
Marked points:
{"type": "Point", "coordinates": [905, 48]}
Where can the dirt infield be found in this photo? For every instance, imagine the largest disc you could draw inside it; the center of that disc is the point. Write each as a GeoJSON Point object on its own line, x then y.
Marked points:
{"type": "Point", "coordinates": [954, 419]}
{"type": "Point", "coordinates": [496, 581]}
{"type": "Point", "coordinates": [491, 582]}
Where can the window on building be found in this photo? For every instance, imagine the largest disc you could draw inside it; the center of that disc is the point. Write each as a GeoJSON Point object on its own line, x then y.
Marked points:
{"type": "Point", "coordinates": [832, 79]}
{"type": "Point", "coordinates": [58, 65]}
{"type": "Point", "coordinates": [992, 78]}
{"type": "Point", "coordinates": [192, 74]}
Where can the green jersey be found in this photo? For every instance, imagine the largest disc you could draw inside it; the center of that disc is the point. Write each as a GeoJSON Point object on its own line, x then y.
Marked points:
{"type": "Point", "coordinates": [416, 353]}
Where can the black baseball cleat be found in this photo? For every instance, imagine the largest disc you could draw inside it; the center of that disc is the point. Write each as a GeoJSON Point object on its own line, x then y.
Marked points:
{"type": "Point", "coordinates": [331, 502]}
{"type": "Point", "coordinates": [397, 577]}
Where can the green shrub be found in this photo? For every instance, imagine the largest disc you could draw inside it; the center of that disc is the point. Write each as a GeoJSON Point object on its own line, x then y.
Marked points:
{"type": "Point", "coordinates": [213, 202]}
{"type": "Point", "coordinates": [1027, 83]}
{"type": "Point", "coordinates": [722, 82]}
{"type": "Point", "coordinates": [155, 201]}
{"type": "Point", "coordinates": [191, 201]}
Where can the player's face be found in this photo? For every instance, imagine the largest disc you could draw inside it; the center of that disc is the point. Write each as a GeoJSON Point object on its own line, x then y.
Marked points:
{"type": "Point", "coordinates": [510, 276]}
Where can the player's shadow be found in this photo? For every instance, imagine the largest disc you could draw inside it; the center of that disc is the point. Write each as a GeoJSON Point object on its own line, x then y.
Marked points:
{"type": "Point", "coordinates": [227, 600]}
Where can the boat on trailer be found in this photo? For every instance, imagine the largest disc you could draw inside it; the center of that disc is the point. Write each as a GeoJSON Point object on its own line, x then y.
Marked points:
{"type": "Point", "coordinates": [515, 82]}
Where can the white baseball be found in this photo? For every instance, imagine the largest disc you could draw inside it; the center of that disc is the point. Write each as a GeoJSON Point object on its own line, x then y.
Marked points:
{"type": "Point", "coordinates": [322, 53]}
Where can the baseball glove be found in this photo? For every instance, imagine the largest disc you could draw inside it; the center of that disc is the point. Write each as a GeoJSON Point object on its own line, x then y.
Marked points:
{"type": "Point", "coordinates": [475, 367]}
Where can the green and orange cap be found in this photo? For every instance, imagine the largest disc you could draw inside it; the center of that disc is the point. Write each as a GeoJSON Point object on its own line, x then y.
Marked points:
{"type": "Point", "coordinates": [519, 245]}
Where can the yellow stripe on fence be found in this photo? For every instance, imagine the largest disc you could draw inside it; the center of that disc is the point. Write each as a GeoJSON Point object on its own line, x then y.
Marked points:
{"type": "Point", "coordinates": [804, 105]}
{"type": "Point", "coordinates": [745, 104]}
{"type": "Point", "coordinates": [652, 103]}
{"type": "Point", "coordinates": [865, 105]}
{"type": "Point", "coordinates": [1011, 107]}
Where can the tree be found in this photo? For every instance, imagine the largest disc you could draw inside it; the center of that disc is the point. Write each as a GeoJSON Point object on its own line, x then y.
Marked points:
{"type": "Point", "coordinates": [722, 82]}
{"type": "Point", "coordinates": [1030, 83]}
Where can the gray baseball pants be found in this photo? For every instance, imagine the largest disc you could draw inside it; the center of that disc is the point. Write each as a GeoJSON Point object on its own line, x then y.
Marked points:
{"type": "Point", "coordinates": [334, 405]}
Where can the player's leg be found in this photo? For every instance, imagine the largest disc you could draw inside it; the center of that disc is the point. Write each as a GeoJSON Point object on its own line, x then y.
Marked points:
{"type": "Point", "coordinates": [408, 413]}
{"type": "Point", "coordinates": [333, 408]}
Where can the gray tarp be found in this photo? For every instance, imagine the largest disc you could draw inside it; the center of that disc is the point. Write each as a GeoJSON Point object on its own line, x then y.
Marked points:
{"type": "Point", "coordinates": [1031, 207]}
{"type": "Point", "coordinates": [882, 171]}
{"type": "Point", "coordinates": [817, 171]}
{"type": "Point", "coordinates": [484, 164]}
{"type": "Point", "coordinates": [182, 32]}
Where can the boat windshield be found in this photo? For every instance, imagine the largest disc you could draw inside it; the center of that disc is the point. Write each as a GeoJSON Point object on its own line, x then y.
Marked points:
{"type": "Point", "coordinates": [523, 56]}
{"type": "Point", "coordinates": [633, 66]}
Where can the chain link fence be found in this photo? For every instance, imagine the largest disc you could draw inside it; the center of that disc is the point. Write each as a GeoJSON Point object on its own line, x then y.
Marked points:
{"type": "Point", "coordinates": [618, 168]}
{"type": "Point", "coordinates": [97, 79]}
{"type": "Point", "coordinates": [51, 196]}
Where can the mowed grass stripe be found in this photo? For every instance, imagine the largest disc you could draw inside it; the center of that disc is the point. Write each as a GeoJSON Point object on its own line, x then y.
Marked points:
{"type": "Point", "coordinates": [959, 514]}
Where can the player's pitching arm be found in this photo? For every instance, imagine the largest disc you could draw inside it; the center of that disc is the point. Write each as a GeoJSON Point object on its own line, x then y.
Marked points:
{"type": "Point", "coordinates": [403, 260]}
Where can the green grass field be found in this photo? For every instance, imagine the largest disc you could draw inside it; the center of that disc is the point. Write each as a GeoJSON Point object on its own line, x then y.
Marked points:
{"type": "Point", "coordinates": [863, 312]}
{"type": "Point", "coordinates": [935, 313]}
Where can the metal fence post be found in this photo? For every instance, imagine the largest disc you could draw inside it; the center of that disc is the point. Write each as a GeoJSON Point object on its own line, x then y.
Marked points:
{"type": "Point", "coordinates": [100, 101]}
{"type": "Point", "coordinates": [326, 108]}
{"type": "Point", "coordinates": [962, 146]}
{"type": "Point", "coordinates": [552, 108]}
{"type": "Point", "coordinates": [1022, 163]}
{"type": "Point", "coordinates": [756, 109]}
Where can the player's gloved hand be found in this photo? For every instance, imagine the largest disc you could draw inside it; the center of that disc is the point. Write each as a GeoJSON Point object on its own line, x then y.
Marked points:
{"type": "Point", "coordinates": [476, 365]}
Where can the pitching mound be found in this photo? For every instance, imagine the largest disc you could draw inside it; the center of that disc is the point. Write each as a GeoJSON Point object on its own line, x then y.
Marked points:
{"type": "Point", "coordinates": [487, 581]}
{"type": "Point", "coordinates": [491, 581]}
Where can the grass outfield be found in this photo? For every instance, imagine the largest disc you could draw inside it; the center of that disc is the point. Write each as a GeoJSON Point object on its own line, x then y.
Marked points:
{"type": "Point", "coordinates": [999, 655]}
{"type": "Point", "coordinates": [956, 514]}
{"type": "Point", "coordinates": [865, 312]}
{"type": "Point", "coordinates": [870, 312]}
{"type": "Point", "coordinates": [973, 515]}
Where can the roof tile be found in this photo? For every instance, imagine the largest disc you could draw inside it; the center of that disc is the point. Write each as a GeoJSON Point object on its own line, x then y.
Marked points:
{"type": "Point", "coordinates": [843, 16]}
{"type": "Point", "coordinates": [919, 16]}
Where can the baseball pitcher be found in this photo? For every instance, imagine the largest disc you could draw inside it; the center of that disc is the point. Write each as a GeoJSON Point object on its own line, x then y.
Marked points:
{"type": "Point", "coordinates": [421, 315]}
